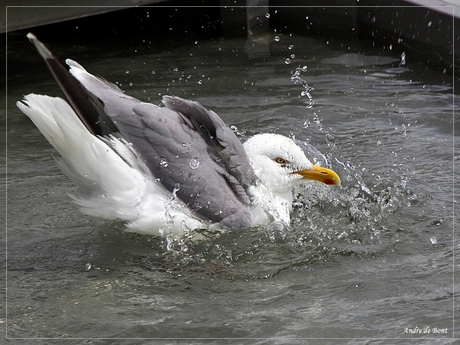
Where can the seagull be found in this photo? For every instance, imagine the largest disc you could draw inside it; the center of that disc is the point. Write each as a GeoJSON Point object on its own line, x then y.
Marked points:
{"type": "Point", "coordinates": [163, 169]}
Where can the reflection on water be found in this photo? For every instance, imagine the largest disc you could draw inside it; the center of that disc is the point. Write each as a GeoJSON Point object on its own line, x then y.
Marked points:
{"type": "Point", "coordinates": [364, 260]}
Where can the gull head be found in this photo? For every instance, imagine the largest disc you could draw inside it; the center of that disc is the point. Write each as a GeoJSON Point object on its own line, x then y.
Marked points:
{"type": "Point", "coordinates": [280, 164]}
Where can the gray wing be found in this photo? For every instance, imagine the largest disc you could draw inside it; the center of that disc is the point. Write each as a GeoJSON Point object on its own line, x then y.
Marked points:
{"type": "Point", "coordinates": [218, 135]}
{"type": "Point", "coordinates": [177, 154]}
{"type": "Point", "coordinates": [188, 148]}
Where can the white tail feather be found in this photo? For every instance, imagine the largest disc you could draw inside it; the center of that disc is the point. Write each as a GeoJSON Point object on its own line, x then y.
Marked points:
{"type": "Point", "coordinates": [120, 185]}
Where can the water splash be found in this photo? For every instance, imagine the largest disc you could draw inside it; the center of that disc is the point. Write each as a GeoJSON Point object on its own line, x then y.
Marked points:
{"type": "Point", "coordinates": [163, 163]}
{"type": "Point", "coordinates": [194, 163]}
{"type": "Point", "coordinates": [172, 207]}
{"type": "Point", "coordinates": [403, 59]}
{"type": "Point", "coordinates": [325, 223]}
{"type": "Point", "coordinates": [296, 79]}
{"type": "Point", "coordinates": [175, 190]}
{"type": "Point", "coordinates": [348, 221]}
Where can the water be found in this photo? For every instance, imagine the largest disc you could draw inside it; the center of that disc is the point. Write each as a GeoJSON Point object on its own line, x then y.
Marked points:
{"type": "Point", "coordinates": [370, 261]}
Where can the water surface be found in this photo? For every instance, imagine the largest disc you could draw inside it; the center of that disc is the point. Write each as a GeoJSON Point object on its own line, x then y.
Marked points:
{"type": "Point", "coordinates": [372, 259]}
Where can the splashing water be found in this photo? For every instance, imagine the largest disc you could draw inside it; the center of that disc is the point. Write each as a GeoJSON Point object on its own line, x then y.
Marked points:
{"type": "Point", "coordinates": [324, 222]}
{"type": "Point", "coordinates": [296, 78]}
{"type": "Point", "coordinates": [194, 163]}
{"type": "Point", "coordinates": [353, 220]}
{"type": "Point", "coordinates": [163, 163]}
{"type": "Point", "coordinates": [403, 58]}
{"type": "Point", "coordinates": [175, 190]}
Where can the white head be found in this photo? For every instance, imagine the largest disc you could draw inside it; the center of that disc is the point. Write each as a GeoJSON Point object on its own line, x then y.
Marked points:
{"type": "Point", "coordinates": [280, 164]}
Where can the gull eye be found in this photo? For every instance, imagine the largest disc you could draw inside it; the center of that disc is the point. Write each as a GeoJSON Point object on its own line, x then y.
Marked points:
{"type": "Point", "coordinates": [281, 160]}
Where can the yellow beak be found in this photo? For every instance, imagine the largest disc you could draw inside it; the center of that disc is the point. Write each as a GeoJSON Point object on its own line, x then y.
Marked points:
{"type": "Point", "coordinates": [320, 174]}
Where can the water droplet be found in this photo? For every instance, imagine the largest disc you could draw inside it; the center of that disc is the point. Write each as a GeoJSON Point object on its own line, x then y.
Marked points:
{"type": "Point", "coordinates": [175, 190]}
{"type": "Point", "coordinates": [153, 72]}
{"type": "Point", "coordinates": [157, 180]}
{"type": "Point", "coordinates": [194, 163]}
{"type": "Point", "coordinates": [200, 82]}
{"type": "Point", "coordinates": [306, 17]}
{"type": "Point", "coordinates": [433, 240]}
{"type": "Point", "coordinates": [131, 84]}
{"type": "Point", "coordinates": [429, 23]}
{"type": "Point", "coordinates": [290, 47]}
{"type": "Point", "coordinates": [267, 15]}
{"type": "Point", "coordinates": [163, 163]}
{"type": "Point", "coordinates": [292, 56]}
{"type": "Point", "coordinates": [287, 61]}
{"type": "Point", "coordinates": [127, 72]}
{"type": "Point", "coordinates": [390, 47]}
{"type": "Point", "coordinates": [403, 58]}
{"type": "Point", "coordinates": [277, 38]}
{"type": "Point", "coordinates": [88, 266]}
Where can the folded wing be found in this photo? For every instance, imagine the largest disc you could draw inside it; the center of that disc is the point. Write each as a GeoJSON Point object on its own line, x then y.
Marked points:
{"type": "Point", "coordinates": [187, 148]}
